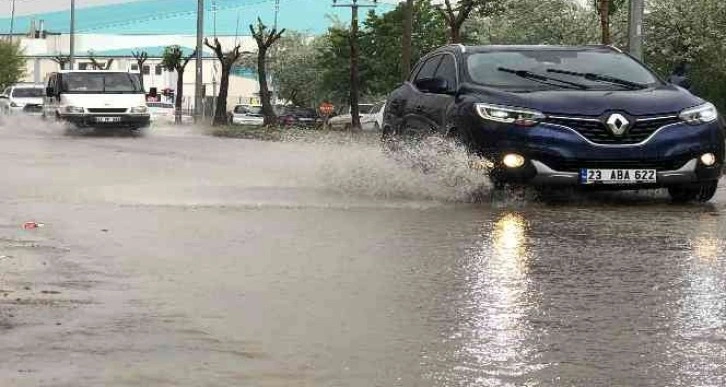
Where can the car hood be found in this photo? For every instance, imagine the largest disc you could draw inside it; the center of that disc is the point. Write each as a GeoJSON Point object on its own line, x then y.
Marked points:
{"type": "Point", "coordinates": [667, 99]}
{"type": "Point", "coordinates": [103, 100]}
{"type": "Point", "coordinates": [28, 101]}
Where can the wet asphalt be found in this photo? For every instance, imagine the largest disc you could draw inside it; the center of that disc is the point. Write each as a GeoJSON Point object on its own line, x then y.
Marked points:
{"type": "Point", "coordinates": [179, 259]}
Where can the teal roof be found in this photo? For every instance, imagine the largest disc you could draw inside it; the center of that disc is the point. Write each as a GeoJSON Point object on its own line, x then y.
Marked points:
{"type": "Point", "coordinates": [153, 52]}
{"type": "Point", "coordinates": [179, 17]}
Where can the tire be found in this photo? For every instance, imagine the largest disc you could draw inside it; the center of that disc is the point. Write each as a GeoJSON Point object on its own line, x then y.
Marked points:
{"type": "Point", "coordinates": [699, 192]}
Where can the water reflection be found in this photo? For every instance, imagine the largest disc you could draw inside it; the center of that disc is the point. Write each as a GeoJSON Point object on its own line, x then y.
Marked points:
{"type": "Point", "coordinates": [496, 338]}
{"type": "Point", "coordinates": [702, 305]}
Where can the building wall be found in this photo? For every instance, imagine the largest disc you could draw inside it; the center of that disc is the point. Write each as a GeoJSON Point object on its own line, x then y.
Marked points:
{"type": "Point", "coordinates": [39, 53]}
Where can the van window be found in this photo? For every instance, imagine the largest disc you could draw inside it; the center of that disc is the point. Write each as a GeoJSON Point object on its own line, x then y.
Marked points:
{"type": "Point", "coordinates": [28, 92]}
{"type": "Point", "coordinates": [100, 83]}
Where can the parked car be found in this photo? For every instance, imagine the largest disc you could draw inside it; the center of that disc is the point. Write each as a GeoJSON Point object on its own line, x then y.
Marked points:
{"type": "Point", "coordinates": [553, 115]}
{"type": "Point", "coordinates": [24, 98]}
{"type": "Point", "coordinates": [344, 121]}
{"type": "Point", "coordinates": [373, 120]}
{"type": "Point", "coordinates": [298, 116]}
{"type": "Point", "coordinates": [163, 113]}
{"type": "Point", "coordinates": [247, 115]}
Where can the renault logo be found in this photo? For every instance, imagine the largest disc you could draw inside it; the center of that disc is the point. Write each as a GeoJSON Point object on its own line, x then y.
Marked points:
{"type": "Point", "coordinates": [617, 124]}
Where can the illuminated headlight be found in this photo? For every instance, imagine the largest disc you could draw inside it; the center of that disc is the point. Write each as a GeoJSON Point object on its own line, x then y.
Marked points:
{"type": "Point", "coordinates": [139, 110]}
{"type": "Point", "coordinates": [513, 160]}
{"type": "Point", "coordinates": [708, 159]}
{"type": "Point", "coordinates": [509, 115]}
{"type": "Point", "coordinates": [699, 114]}
{"type": "Point", "coordinates": [73, 110]}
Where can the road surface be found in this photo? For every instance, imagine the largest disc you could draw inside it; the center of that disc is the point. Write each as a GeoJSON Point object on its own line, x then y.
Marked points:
{"type": "Point", "coordinates": [183, 260]}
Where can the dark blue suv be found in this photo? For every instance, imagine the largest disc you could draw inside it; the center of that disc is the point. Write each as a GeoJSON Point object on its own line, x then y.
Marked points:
{"type": "Point", "coordinates": [587, 116]}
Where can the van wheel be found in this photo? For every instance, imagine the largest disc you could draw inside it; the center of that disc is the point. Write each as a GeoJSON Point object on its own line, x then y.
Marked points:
{"type": "Point", "coordinates": [700, 192]}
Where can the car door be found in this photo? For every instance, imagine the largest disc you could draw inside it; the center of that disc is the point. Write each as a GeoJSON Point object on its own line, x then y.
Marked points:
{"type": "Point", "coordinates": [433, 106]}
{"type": "Point", "coordinates": [416, 121]}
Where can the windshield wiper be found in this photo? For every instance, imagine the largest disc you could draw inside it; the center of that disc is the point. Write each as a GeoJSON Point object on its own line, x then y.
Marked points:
{"type": "Point", "coordinates": [543, 78]}
{"type": "Point", "coordinates": [601, 78]}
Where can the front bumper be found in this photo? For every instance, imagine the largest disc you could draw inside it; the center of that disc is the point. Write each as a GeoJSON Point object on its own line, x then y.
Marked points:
{"type": "Point", "coordinates": [555, 155]}
{"type": "Point", "coordinates": [108, 121]}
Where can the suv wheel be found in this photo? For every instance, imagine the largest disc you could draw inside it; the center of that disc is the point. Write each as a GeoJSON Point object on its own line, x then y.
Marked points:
{"type": "Point", "coordinates": [700, 192]}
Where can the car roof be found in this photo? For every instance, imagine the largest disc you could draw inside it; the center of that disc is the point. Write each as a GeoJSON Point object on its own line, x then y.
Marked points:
{"type": "Point", "coordinates": [543, 47]}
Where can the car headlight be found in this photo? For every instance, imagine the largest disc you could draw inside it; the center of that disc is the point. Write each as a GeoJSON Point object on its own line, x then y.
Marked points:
{"type": "Point", "coordinates": [699, 114]}
{"type": "Point", "coordinates": [73, 110]}
{"type": "Point", "coordinates": [139, 110]}
{"type": "Point", "coordinates": [509, 115]}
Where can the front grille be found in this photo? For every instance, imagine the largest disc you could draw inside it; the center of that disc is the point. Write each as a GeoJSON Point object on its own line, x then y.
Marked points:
{"type": "Point", "coordinates": [598, 132]}
{"type": "Point", "coordinates": [33, 108]}
{"type": "Point", "coordinates": [575, 165]}
{"type": "Point", "coordinates": [107, 110]}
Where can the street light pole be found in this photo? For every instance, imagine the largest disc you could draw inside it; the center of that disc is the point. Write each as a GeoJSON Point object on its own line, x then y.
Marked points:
{"type": "Point", "coordinates": [199, 70]}
{"type": "Point", "coordinates": [635, 28]}
{"type": "Point", "coordinates": [354, 78]}
{"type": "Point", "coordinates": [12, 19]}
{"type": "Point", "coordinates": [72, 56]}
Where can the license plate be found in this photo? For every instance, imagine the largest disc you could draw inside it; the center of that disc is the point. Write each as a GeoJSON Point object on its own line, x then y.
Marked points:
{"type": "Point", "coordinates": [617, 176]}
{"type": "Point", "coordinates": [108, 119]}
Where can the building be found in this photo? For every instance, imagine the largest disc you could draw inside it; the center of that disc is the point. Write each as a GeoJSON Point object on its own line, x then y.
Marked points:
{"type": "Point", "coordinates": [111, 33]}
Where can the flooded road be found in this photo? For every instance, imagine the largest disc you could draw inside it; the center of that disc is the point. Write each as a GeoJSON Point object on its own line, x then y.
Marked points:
{"type": "Point", "coordinates": [179, 259]}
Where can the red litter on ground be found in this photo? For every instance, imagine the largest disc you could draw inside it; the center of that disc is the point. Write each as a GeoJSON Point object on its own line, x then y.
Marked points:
{"type": "Point", "coordinates": [32, 225]}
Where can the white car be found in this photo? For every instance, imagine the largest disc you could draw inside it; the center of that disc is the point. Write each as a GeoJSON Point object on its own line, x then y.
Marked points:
{"type": "Point", "coordinates": [24, 98]}
{"type": "Point", "coordinates": [161, 111]}
{"type": "Point", "coordinates": [250, 115]}
{"type": "Point", "coordinates": [368, 118]}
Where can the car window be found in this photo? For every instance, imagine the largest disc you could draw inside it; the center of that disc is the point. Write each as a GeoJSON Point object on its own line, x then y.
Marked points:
{"type": "Point", "coordinates": [240, 109]}
{"type": "Point", "coordinates": [429, 68]}
{"type": "Point", "coordinates": [484, 68]}
{"type": "Point", "coordinates": [447, 70]}
{"type": "Point", "coordinates": [28, 92]}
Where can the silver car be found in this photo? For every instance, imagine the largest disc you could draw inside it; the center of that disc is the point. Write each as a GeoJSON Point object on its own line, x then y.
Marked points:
{"type": "Point", "coordinates": [25, 98]}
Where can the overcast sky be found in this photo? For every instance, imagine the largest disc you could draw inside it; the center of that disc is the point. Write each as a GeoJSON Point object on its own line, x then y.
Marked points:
{"type": "Point", "coordinates": [23, 7]}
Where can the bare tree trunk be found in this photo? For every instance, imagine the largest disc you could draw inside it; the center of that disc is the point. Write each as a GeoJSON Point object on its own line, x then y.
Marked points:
{"type": "Point", "coordinates": [605, 21]}
{"type": "Point", "coordinates": [406, 41]}
{"type": "Point", "coordinates": [179, 96]}
{"type": "Point", "coordinates": [220, 115]}
{"type": "Point", "coordinates": [455, 33]}
{"type": "Point", "coordinates": [354, 79]}
{"type": "Point", "coordinates": [265, 97]}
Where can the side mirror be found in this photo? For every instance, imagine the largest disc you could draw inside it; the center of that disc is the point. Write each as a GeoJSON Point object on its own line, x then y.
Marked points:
{"type": "Point", "coordinates": [433, 85]}
{"type": "Point", "coordinates": [3, 96]}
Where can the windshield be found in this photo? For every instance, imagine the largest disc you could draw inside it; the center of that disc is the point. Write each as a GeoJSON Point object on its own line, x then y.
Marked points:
{"type": "Point", "coordinates": [485, 68]}
{"type": "Point", "coordinates": [28, 92]}
{"type": "Point", "coordinates": [101, 83]}
{"type": "Point", "coordinates": [251, 110]}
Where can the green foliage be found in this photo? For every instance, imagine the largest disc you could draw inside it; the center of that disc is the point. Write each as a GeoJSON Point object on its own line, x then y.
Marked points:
{"type": "Point", "coordinates": [380, 50]}
{"type": "Point", "coordinates": [12, 64]}
{"type": "Point", "coordinates": [614, 6]}
{"type": "Point", "coordinates": [691, 32]}
{"type": "Point", "coordinates": [172, 58]}
{"type": "Point", "coordinates": [293, 65]}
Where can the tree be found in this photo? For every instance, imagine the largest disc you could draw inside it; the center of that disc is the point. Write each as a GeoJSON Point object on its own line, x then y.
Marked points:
{"type": "Point", "coordinates": [98, 65]}
{"type": "Point", "coordinates": [227, 60]}
{"type": "Point", "coordinates": [294, 63]}
{"type": "Point", "coordinates": [406, 41]}
{"type": "Point", "coordinates": [62, 60]}
{"type": "Point", "coordinates": [141, 58]}
{"type": "Point", "coordinates": [380, 45]}
{"type": "Point", "coordinates": [605, 9]}
{"type": "Point", "coordinates": [264, 41]}
{"type": "Point", "coordinates": [174, 60]}
{"type": "Point", "coordinates": [456, 15]}
{"type": "Point", "coordinates": [12, 64]}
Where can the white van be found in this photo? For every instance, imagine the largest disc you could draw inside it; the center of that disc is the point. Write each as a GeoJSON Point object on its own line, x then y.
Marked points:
{"type": "Point", "coordinates": [97, 99]}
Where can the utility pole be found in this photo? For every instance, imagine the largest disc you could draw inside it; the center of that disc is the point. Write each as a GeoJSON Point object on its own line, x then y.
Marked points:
{"type": "Point", "coordinates": [277, 11]}
{"type": "Point", "coordinates": [635, 28]}
{"type": "Point", "coordinates": [12, 19]}
{"type": "Point", "coordinates": [199, 90]}
{"type": "Point", "coordinates": [354, 79]}
{"type": "Point", "coordinates": [407, 40]}
{"type": "Point", "coordinates": [72, 53]}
